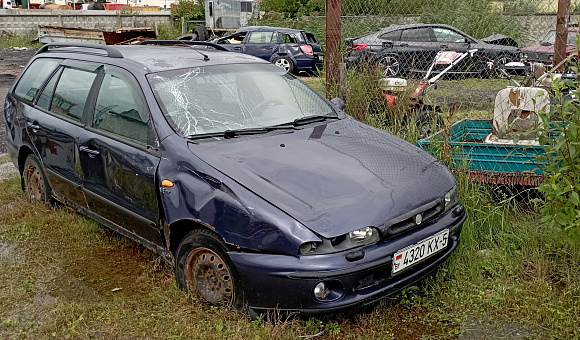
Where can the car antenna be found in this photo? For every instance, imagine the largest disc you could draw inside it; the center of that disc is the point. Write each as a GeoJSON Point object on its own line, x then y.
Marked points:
{"type": "Point", "coordinates": [205, 57]}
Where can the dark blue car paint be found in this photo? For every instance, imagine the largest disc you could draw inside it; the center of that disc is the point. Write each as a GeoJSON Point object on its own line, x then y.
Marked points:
{"type": "Point", "coordinates": [270, 51]}
{"type": "Point", "coordinates": [259, 193]}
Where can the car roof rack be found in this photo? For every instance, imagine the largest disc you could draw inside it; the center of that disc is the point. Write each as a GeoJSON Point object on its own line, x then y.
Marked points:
{"type": "Point", "coordinates": [111, 51]}
{"type": "Point", "coordinates": [183, 42]}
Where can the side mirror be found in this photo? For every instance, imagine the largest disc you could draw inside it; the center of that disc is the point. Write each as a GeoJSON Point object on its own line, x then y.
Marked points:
{"type": "Point", "coordinates": [339, 103]}
{"type": "Point", "coordinates": [387, 44]}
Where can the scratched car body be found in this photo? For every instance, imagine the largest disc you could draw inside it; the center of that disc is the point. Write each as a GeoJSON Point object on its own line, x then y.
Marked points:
{"type": "Point", "coordinates": [262, 193]}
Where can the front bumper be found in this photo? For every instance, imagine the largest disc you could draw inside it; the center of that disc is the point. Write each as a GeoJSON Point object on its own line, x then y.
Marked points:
{"type": "Point", "coordinates": [286, 283]}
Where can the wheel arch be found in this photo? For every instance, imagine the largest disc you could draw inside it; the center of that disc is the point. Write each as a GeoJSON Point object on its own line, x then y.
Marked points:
{"type": "Point", "coordinates": [177, 230]}
{"type": "Point", "coordinates": [23, 153]}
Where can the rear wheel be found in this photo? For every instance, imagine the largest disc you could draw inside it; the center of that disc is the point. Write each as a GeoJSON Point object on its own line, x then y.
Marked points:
{"type": "Point", "coordinates": [34, 182]}
{"type": "Point", "coordinates": [284, 63]}
{"type": "Point", "coordinates": [204, 269]}
{"type": "Point", "coordinates": [390, 65]}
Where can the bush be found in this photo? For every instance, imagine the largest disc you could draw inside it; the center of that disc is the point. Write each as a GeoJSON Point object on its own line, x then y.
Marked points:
{"type": "Point", "coordinates": [561, 162]}
{"type": "Point", "coordinates": [188, 9]}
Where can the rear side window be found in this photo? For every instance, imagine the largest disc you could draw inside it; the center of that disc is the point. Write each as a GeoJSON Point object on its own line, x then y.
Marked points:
{"type": "Point", "coordinates": [262, 37]}
{"type": "Point", "coordinates": [391, 36]}
{"type": "Point", "coordinates": [417, 34]}
{"type": "Point", "coordinates": [120, 109]}
{"type": "Point", "coordinates": [33, 78]}
{"type": "Point", "coordinates": [72, 91]}
{"type": "Point", "coordinates": [310, 38]}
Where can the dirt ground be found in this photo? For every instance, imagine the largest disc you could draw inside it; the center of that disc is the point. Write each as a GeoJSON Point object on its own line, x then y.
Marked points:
{"type": "Point", "coordinates": [11, 63]}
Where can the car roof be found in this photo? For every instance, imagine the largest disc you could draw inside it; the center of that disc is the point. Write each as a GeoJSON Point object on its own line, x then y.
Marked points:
{"type": "Point", "coordinates": [269, 28]}
{"type": "Point", "coordinates": [394, 27]}
{"type": "Point", "coordinates": [155, 58]}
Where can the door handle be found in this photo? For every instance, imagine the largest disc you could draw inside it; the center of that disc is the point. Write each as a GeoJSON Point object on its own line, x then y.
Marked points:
{"type": "Point", "coordinates": [404, 45]}
{"type": "Point", "coordinates": [443, 46]}
{"type": "Point", "coordinates": [237, 48]}
{"type": "Point", "coordinates": [33, 125]}
{"type": "Point", "coordinates": [92, 153]}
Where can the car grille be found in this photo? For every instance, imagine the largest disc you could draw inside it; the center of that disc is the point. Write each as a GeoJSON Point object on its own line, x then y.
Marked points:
{"type": "Point", "coordinates": [407, 222]}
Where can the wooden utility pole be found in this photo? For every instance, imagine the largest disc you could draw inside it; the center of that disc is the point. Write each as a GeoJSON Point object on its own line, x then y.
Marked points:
{"type": "Point", "coordinates": [561, 32]}
{"type": "Point", "coordinates": [333, 12]}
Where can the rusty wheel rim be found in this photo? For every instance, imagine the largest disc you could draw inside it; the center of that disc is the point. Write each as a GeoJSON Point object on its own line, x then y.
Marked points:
{"type": "Point", "coordinates": [34, 183]}
{"type": "Point", "coordinates": [207, 274]}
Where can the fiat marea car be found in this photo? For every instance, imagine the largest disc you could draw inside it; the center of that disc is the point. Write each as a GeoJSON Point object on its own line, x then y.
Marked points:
{"type": "Point", "coordinates": [262, 193]}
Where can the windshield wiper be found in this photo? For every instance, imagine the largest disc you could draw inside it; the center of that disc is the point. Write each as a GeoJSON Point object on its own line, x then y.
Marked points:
{"type": "Point", "coordinates": [240, 132]}
{"type": "Point", "coordinates": [312, 119]}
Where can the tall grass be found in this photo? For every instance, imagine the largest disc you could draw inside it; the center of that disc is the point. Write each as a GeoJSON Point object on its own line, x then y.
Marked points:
{"type": "Point", "coordinates": [29, 40]}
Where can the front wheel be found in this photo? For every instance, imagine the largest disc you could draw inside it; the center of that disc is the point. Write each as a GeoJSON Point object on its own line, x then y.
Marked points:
{"type": "Point", "coordinates": [204, 269]}
{"type": "Point", "coordinates": [34, 182]}
{"type": "Point", "coordinates": [284, 63]}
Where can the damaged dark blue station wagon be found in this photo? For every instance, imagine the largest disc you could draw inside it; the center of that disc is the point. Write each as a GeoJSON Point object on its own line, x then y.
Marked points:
{"type": "Point", "coordinates": [264, 194]}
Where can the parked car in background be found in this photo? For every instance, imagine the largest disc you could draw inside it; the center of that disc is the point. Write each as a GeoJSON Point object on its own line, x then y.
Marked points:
{"type": "Point", "coordinates": [543, 51]}
{"type": "Point", "coordinates": [262, 193]}
{"type": "Point", "coordinates": [403, 49]}
{"type": "Point", "coordinates": [291, 49]}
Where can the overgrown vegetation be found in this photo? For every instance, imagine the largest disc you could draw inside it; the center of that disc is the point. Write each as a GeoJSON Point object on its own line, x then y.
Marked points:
{"type": "Point", "coordinates": [561, 162]}
{"type": "Point", "coordinates": [28, 40]}
{"type": "Point", "coordinates": [169, 31]}
{"type": "Point", "coordinates": [188, 9]}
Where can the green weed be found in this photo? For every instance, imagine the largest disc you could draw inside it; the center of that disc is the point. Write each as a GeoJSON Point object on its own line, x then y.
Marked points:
{"type": "Point", "coordinates": [28, 40]}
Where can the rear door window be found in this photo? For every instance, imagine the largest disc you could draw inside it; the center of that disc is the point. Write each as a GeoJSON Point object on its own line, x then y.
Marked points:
{"type": "Point", "coordinates": [34, 76]}
{"type": "Point", "coordinates": [290, 38]}
{"type": "Point", "coordinates": [417, 34]}
{"type": "Point", "coordinates": [46, 95]}
{"type": "Point", "coordinates": [391, 36]}
{"type": "Point", "coordinates": [262, 38]}
{"type": "Point", "coordinates": [72, 91]}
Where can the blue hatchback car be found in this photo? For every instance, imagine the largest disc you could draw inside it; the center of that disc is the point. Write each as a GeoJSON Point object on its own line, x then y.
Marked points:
{"type": "Point", "coordinates": [291, 49]}
{"type": "Point", "coordinates": [262, 193]}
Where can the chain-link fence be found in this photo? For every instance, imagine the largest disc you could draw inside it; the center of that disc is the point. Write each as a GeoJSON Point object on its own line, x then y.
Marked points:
{"type": "Point", "coordinates": [474, 70]}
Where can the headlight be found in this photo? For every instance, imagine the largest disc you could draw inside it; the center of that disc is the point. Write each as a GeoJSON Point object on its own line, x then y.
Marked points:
{"type": "Point", "coordinates": [551, 57]}
{"type": "Point", "coordinates": [451, 198]}
{"type": "Point", "coordinates": [524, 56]}
{"type": "Point", "coordinates": [355, 238]}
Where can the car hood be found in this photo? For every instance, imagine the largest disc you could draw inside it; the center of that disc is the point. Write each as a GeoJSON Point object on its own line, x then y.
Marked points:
{"type": "Point", "coordinates": [500, 39]}
{"type": "Point", "coordinates": [335, 177]}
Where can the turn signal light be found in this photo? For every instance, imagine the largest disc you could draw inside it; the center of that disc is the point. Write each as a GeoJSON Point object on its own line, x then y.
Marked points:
{"type": "Point", "coordinates": [167, 183]}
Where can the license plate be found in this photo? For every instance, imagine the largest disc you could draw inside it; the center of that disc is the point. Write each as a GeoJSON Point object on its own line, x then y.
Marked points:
{"type": "Point", "coordinates": [418, 252]}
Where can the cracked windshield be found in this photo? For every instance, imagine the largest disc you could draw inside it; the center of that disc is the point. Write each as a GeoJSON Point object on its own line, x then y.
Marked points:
{"type": "Point", "coordinates": [224, 97]}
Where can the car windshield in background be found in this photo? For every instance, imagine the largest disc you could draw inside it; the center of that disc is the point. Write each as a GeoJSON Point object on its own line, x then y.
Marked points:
{"type": "Point", "coordinates": [216, 99]}
{"type": "Point", "coordinates": [550, 38]}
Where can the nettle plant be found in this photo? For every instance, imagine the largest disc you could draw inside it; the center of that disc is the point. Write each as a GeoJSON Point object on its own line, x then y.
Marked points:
{"type": "Point", "coordinates": [560, 139]}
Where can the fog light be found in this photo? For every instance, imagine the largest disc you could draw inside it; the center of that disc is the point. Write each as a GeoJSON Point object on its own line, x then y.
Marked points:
{"type": "Point", "coordinates": [320, 291]}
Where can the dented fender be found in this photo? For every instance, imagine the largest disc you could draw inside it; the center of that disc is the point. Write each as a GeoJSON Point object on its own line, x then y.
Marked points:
{"type": "Point", "coordinates": [205, 196]}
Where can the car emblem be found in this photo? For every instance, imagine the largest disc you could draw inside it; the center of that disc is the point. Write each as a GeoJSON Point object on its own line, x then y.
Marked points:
{"type": "Point", "coordinates": [418, 219]}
